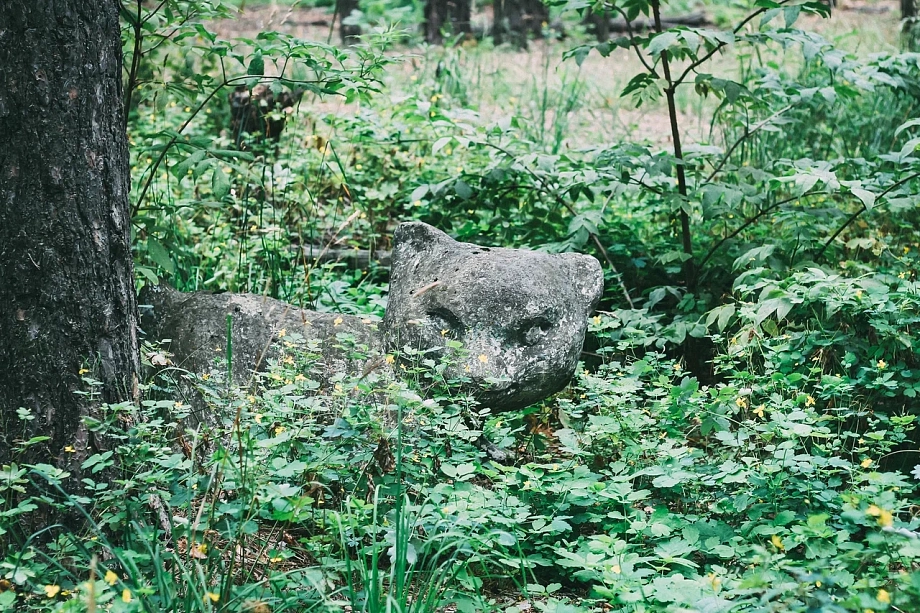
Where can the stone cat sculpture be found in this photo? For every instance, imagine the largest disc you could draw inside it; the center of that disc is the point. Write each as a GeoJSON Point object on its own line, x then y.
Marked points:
{"type": "Point", "coordinates": [520, 316]}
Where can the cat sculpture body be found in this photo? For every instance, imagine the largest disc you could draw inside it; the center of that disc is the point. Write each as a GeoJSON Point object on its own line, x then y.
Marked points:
{"type": "Point", "coordinates": [518, 319]}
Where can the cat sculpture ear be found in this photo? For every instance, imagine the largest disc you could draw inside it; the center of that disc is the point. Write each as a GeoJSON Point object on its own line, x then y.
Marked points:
{"type": "Point", "coordinates": [587, 277]}
{"type": "Point", "coordinates": [419, 237]}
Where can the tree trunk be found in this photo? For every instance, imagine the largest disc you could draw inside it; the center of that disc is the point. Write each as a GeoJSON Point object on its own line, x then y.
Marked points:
{"type": "Point", "coordinates": [517, 20]}
{"type": "Point", "coordinates": [67, 303]}
{"type": "Point", "coordinates": [597, 22]}
{"type": "Point", "coordinates": [910, 27]}
{"type": "Point", "coordinates": [349, 33]}
{"type": "Point", "coordinates": [452, 16]}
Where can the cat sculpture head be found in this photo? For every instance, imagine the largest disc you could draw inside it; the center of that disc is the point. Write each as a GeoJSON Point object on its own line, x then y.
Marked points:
{"type": "Point", "coordinates": [520, 316]}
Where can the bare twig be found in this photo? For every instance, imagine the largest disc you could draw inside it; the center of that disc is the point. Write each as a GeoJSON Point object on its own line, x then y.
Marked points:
{"type": "Point", "coordinates": [700, 61]}
{"type": "Point", "coordinates": [678, 153]}
{"type": "Point", "coordinates": [747, 134]}
{"type": "Point", "coordinates": [748, 222]}
{"type": "Point", "coordinates": [632, 43]}
{"type": "Point", "coordinates": [137, 24]}
{"type": "Point", "coordinates": [859, 211]}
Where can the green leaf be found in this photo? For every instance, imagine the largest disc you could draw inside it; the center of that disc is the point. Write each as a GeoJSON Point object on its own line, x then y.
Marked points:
{"type": "Point", "coordinates": [865, 196]}
{"type": "Point", "coordinates": [160, 255]}
{"type": "Point", "coordinates": [182, 168]}
{"type": "Point", "coordinates": [721, 316]}
{"type": "Point", "coordinates": [906, 125]}
{"type": "Point", "coordinates": [662, 42]}
{"type": "Point", "coordinates": [418, 193]}
{"type": "Point", "coordinates": [463, 189]}
{"type": "Point", "coordinates": [256, 64]}
{"type": "Point", "coordinates": [220, 184]}
{"type": "Point", "coordinates": [768, 16]}
{"type": "Point", "coordinates": [441, 143]}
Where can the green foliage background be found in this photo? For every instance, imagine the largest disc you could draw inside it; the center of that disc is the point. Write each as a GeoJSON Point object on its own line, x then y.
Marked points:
{"type": "Point", "coordinates": [740, 437]}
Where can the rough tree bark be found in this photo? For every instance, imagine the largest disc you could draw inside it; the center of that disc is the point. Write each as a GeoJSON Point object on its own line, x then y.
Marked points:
{"type": "Point", "coordinates": [452, 16]}
{"type": "Point", "coordinates": [516, 20]}
{"type": "Point", "coordinates": [67, 300]}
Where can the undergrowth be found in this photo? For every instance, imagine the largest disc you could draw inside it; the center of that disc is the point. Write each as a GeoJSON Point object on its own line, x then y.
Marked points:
{"type": "Point", "coordinates": [739, 437]}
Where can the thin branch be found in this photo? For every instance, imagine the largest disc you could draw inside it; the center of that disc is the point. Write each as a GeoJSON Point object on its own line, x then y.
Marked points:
{"type": "Point", "coordinates": [749, 222]}
{"type": "Point", "coordinates": [632, 43]}
{"type": "Point", "coordinates": [747, 134]}
{"type": "Point", "coordinates": [135, 61]}
{"type": "Point", "coordinates": [686, 238]}
{"type": "Point", "coordinates": [859, 211]}
{"type": "Point", "coordinates": [700, 61]}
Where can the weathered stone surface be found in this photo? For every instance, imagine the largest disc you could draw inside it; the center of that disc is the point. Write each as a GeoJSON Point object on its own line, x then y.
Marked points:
{"type": "Point", "coordinates": [520, 315]}
{"type": "Point", "coordinates": [196, 323]}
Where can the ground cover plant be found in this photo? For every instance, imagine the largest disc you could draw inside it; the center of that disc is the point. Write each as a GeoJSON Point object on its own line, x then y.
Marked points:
{"type": "Point", "coordinates": [741, 434]}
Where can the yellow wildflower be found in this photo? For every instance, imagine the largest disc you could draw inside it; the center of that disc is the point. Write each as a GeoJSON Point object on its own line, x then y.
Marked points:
{"type": "Point", "coordinates": [809, 401]}
{"type": "Point", "coordinates": [281, 333]}
{"type": "Point", "coordinates": [52, 590]}
{"type": "Point", "coordinates": [715, 581]}
{"type": "Point", "coordinates": [126, 595]}
{"type": "Point", "coordinates": [883, 516]}
{"type": "Point", "coordinates": [211, 596]}
{"type": "Point", "coordinates": [759, 411]}
{"type": "Point", "coordinates": [883, 596]}
{"type": "Point", "coordinates": [111, 577]}
{"type": "Point", "coordinates": [389, 359]}
{"type": "Point", "coordinates": [483, 358]}
{"type": "Point", "coordinates": [777, 542]}
{"type": "Point", "coordinates": [337, 321]}
{"type": "Point", "coordinates": [882, 365]}
{"type": "Point", "coordinates": [70, 449]}
{"type": "Point", "coordinates": [866, 463]}
{"type": "Point", "coordinates": [597, 320]}
{"type": "Point", "coordinates": [83, 371]}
